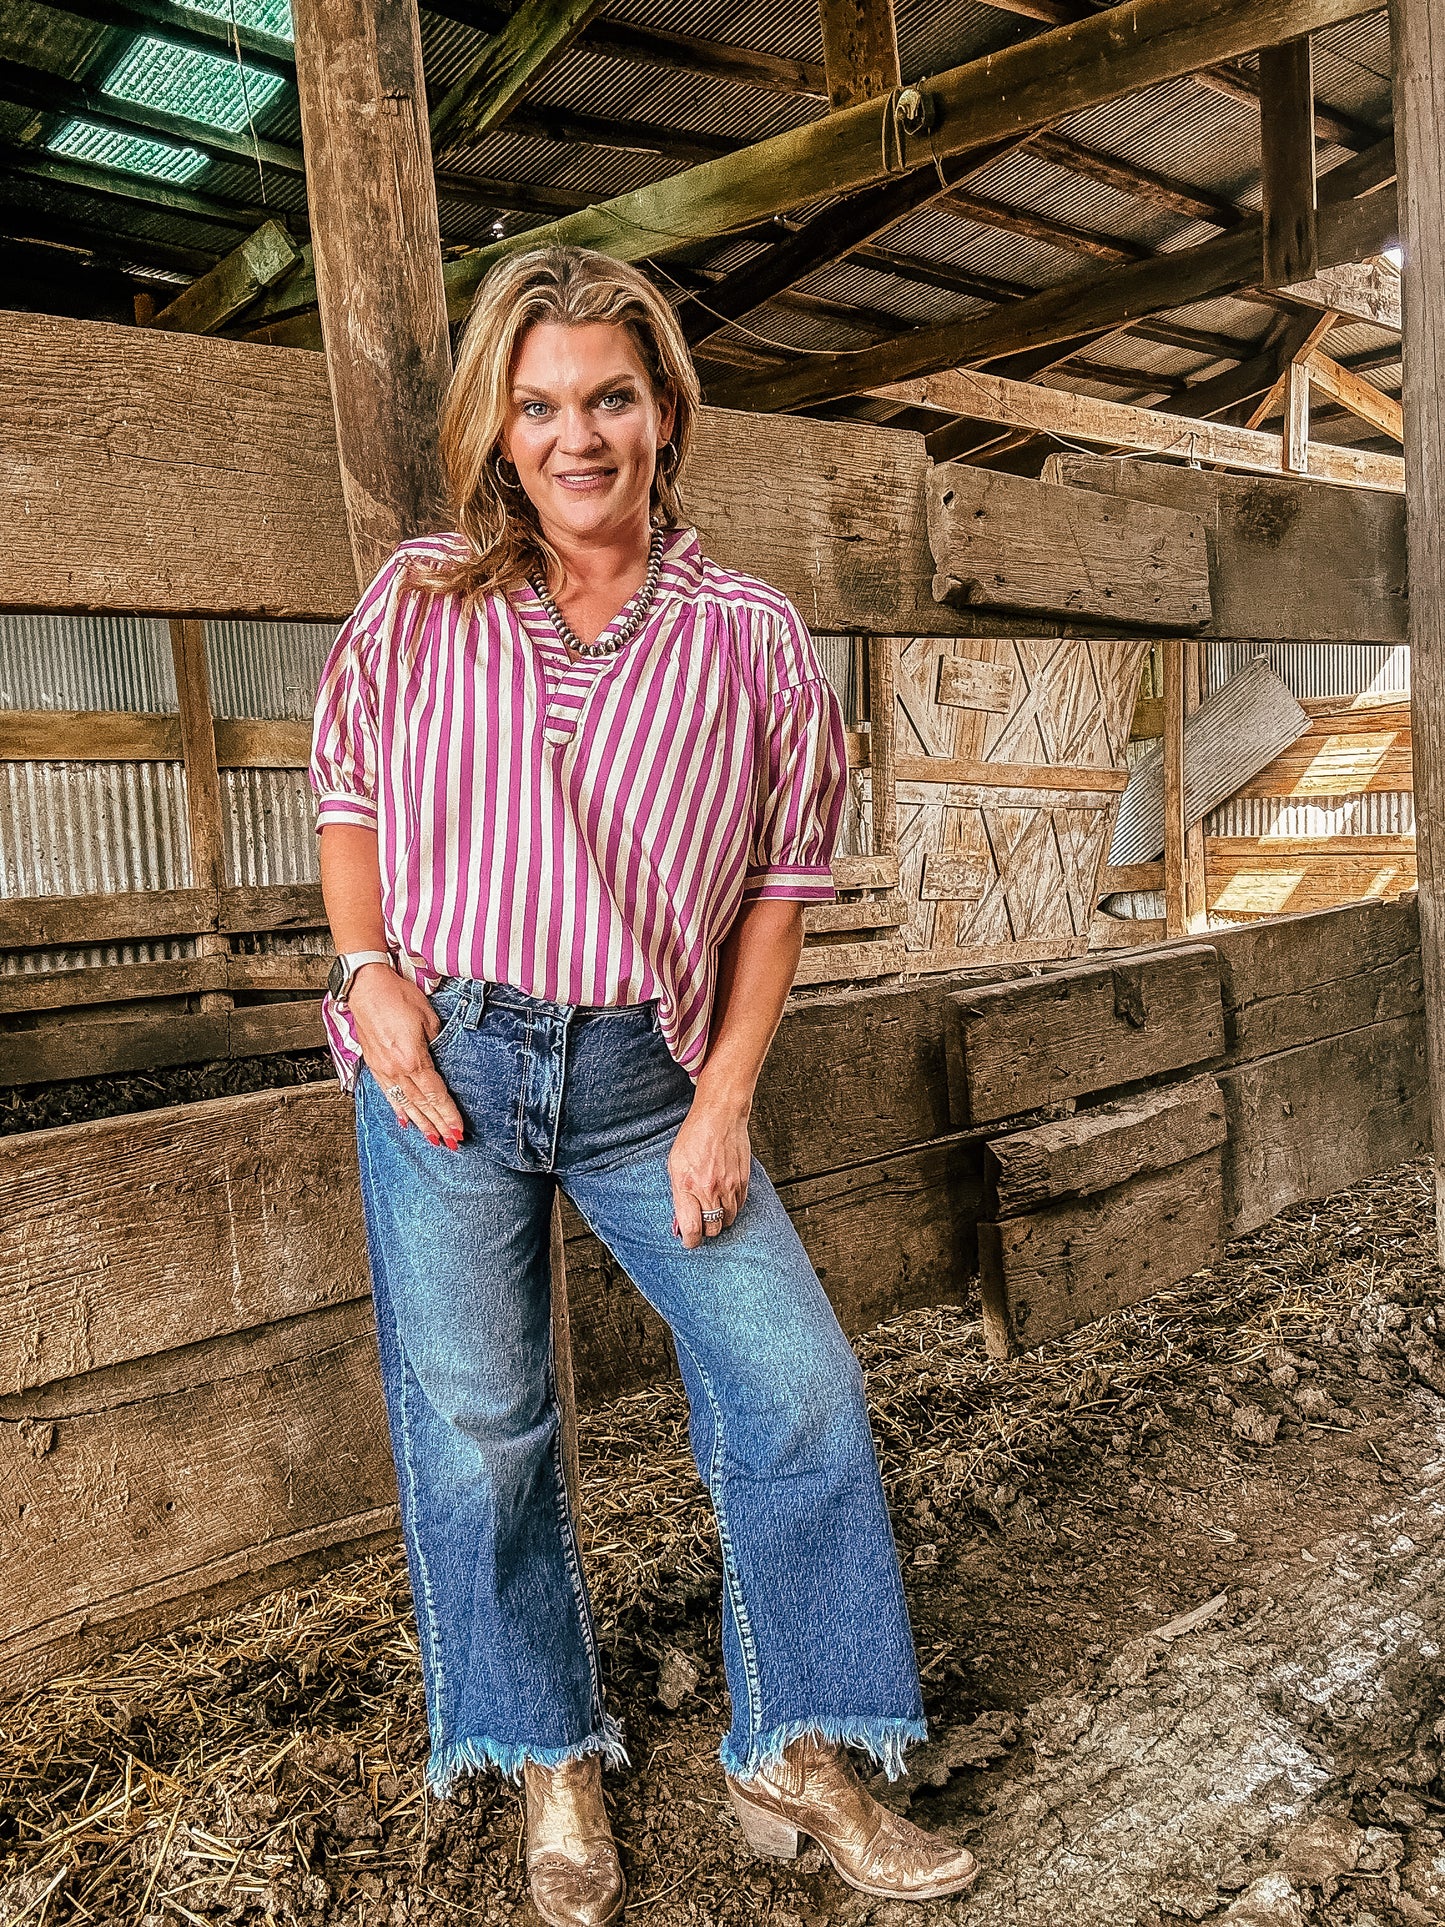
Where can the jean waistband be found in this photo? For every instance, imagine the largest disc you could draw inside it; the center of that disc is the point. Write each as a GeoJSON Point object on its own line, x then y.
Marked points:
{"type": "Point", "coordinates": [510, 998]}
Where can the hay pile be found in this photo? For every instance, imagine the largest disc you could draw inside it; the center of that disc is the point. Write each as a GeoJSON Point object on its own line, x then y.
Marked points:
{"type": "Point", "coordinates": [265, 1766]}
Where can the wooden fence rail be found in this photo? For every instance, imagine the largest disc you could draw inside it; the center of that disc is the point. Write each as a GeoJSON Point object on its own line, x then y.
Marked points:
{"type": "Point", "coordinates": [189, 1408]}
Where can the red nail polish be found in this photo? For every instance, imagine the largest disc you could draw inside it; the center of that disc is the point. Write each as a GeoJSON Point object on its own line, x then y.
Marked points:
{"type": "Point", "coordinates": [432, 1138]}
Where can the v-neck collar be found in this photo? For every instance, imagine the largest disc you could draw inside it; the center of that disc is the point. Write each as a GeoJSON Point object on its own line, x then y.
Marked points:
{"type": "Point", "coordinates": [566, 683]}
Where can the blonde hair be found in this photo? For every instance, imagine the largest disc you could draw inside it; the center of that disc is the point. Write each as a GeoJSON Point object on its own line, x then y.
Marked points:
{"type": "Point", "coordinates": [505, 543]}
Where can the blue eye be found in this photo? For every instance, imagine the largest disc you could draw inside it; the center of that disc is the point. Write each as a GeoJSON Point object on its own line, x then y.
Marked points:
{"type": "Point", "coordinates": [528, 408]}
{"type": "Point", "coordinates": [618, 399]}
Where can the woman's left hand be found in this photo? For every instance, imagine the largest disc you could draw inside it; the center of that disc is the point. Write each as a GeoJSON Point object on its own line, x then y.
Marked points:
{"type": "Point", "coordinates": [708, 1165]}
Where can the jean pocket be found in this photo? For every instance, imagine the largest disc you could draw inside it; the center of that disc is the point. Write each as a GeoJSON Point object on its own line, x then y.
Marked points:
{"type": "Point", "coordinates": [449, 1000]}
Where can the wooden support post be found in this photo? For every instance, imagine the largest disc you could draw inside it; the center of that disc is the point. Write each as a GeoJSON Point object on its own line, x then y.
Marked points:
{"type": "Point", "coordinates": [1418, 38]}
{"type": "Point", "coordinates": [882, 782]}
{"type": "Point", "coordinates": [1196, 903]}
{"type": "Point", "coordinates": [384, 318]}
{"type": "Point", "coordinates": [204, 819]}
{"type": "Point", "coordinates": [860, 49]}
{"type": "Point", "coordinates": [1287, 162]}
{"type": "Point", "coordinates": [1297, 418]}
{"type": "Point", "coordinates": [1176, 900]}
{"type": "Point", "coordinates": [377, 250]}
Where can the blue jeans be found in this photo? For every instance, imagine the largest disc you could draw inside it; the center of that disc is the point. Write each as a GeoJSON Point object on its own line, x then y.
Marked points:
{"type": "Point", "coordinates": [815, 1629]}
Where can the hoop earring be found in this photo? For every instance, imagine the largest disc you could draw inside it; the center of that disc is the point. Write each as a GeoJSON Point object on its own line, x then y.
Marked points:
{"type": "Point", "coordinates": [501, 465]}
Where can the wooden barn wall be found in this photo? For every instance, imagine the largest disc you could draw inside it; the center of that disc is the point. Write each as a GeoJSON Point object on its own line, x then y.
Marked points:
{"type": "Point", "coordinates": [189, 1407]}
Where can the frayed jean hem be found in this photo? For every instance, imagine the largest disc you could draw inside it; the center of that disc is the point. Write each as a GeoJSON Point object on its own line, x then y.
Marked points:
{"type": "Point", "coordinates": [883, 1740]}
{"type": "Point", "coordinates": [450, 1764]}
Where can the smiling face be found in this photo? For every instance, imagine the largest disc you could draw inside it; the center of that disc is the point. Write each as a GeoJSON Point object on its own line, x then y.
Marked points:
{"type": "Point", "coordinates": [584, 427]}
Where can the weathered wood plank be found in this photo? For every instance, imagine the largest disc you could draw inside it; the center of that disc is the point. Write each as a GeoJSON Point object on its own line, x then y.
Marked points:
{"type": "Point", "coordinates": [1365, 290]}
{"type": "Point", "coordinates": [1366, 750]}
{"type": "Point", "coordinates": [378, 263]}
{"type": "Point", "coordinates": [1290, 560]}
{"type": "Point", "coordinates": [61, 1045]}
{"type": "Point", "coordinates": [34, 923]}
{"type": "Point", "coordinates": [1102, 1147]}
{"type": "Point", "coordinates": [1003, 541]}
{"type": "Point", "coordinates": [860, 49]}
{"type": "Point", "coordinates": [1071, 1262]}
{"type": "Point", "coordinates": [1253, 884]}
{"type": "Point", "coordinates": [176, 474]}
{"type": "Point", "coordinates": [1090, 1027]}
{"type": "Point", "coordinates": [966, 683]}
{"type": "Point", "coordinates": [135, 1493]}
{"type": "Point", "coordinates": [125, 736]}
{"type": "Point", "coordinates": [135, 1235]}
{"type": "Point", "coordinates": [186, 1462]}
{"type": "Point", "coordinates": [181, 977]}
{"type": "Point", "coordinates": [1313, 1120]}
{"type": "Point", "coordinates": [1099, 782]}
{"type": "Point", "coordinates": [1297, 979]}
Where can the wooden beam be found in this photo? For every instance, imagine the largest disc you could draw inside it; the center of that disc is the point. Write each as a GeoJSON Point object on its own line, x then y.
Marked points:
{"type": "Point", "coordinates": [689, 53]}
{"type": "Point", "coordinates": [1235, 80]}
{"type": "Point", "coordinates": [829, 237]}
{"type": "Point", "coordinates": [1418, 41]}
{"type": "Point", "coordinates": [1358, 395]}
{"type": "Point", "coordinates": [205, 307]}
{"type": "Point", "coordinates": [1364, 290]}
{"type": "Point", "coordinates": [1287, 161]}
{"type": "Point", "coordinates": [545, 120]}
{"type": "Point", "coordinates": [1117, 297]}
{"type": "Point", "coordinates": [1141, 183]}
{"type": "Point", "coordinates": [860, 49]}
{"type": "Point", "coordinates": [1176, 827]}
{"type": "Point", "coordinates": [1012, 92]}
{"type": "Point", "coordinates": [507, 68]}
{"type": "Point", "coordinates": [377, 261]}
{"type": "Point", "coordinates": [980, 395]}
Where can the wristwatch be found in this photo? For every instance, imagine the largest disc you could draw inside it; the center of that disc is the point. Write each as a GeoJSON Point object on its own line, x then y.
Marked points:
{"type": "Point", "coordinates": [344, 968]}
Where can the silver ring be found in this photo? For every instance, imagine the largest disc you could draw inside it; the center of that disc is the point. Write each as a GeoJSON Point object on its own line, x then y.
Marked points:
{"type": "Point", "coordinates": [395, 1093]}
{"type": "Point", "coordinates": [712, 1217]}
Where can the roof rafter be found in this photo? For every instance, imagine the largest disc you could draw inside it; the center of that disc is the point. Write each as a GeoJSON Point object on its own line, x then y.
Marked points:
{"type": "Point", "coordinates": [1014, 92]}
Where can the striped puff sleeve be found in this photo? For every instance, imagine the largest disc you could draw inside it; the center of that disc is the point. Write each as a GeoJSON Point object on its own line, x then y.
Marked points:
{"type": "Point", "coordinates": [344, 735]}
{"type": "Point", "coordinates": [802, 773]}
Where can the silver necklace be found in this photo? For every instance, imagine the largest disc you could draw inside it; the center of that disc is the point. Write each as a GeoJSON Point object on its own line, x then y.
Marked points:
{"type": "Point", "coordinates": [639, 606]}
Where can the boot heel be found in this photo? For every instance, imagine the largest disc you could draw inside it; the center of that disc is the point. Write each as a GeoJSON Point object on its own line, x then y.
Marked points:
{"type": "Point", "coordinates": [765, 1832]}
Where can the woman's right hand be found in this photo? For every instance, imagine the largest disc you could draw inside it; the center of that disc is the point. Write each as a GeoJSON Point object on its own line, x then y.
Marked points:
{"type": "Point", "coordinates": [395, 1024]}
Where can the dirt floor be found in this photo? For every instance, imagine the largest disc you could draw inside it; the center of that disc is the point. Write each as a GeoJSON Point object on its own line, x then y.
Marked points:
{"type": "Point", "coordinates": [1179, 1595]}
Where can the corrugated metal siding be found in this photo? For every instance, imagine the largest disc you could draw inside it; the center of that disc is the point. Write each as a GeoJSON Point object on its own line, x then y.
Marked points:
{"type": "Point", "coordinates": [1317, 668]}
{"type": "Point", "coordinates": [270, 827]}
{"type": "Point", "coordinates": [86, 662]}
{"type": "Point", "coordinates": [1377, 813]}
{"type": "Point", "coordinates": [74, 829]}
{"type": "Point", "coordinates": [267, 669]}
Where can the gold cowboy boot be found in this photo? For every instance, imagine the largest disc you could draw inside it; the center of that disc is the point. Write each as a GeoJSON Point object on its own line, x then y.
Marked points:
{"type": "Point", "coordinates": [573, 1871]}
{"type": "Point", "coordinates": [813, 1790]}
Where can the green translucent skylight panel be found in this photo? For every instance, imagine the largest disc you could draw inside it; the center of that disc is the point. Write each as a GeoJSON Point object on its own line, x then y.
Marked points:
{"type": "Point", "coordinates": [183, 80]}
{"type": "Point", "coordinates": [133, 153]}
{"type": "Point", "coordinates": [266, 16]}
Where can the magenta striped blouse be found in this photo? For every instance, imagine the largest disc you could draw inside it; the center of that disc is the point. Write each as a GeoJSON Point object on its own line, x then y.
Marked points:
{"type": "Point", "coordinates": [585, 832]}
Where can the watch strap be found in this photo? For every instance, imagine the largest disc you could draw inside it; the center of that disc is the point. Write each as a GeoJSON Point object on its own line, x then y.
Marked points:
{"type": "Point", "coordinates": [351, 961]}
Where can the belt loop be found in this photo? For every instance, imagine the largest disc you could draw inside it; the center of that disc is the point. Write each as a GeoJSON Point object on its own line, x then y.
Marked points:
{"type": "Point", "coordinates": [476, 1003]}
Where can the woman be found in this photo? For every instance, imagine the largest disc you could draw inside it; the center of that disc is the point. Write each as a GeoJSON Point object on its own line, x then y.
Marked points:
{"type": "Point", "coordinates": [575, 784]}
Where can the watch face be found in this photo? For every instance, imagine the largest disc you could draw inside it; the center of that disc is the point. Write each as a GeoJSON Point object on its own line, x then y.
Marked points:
{"type": "Point", "coordinates": [336, 978]}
